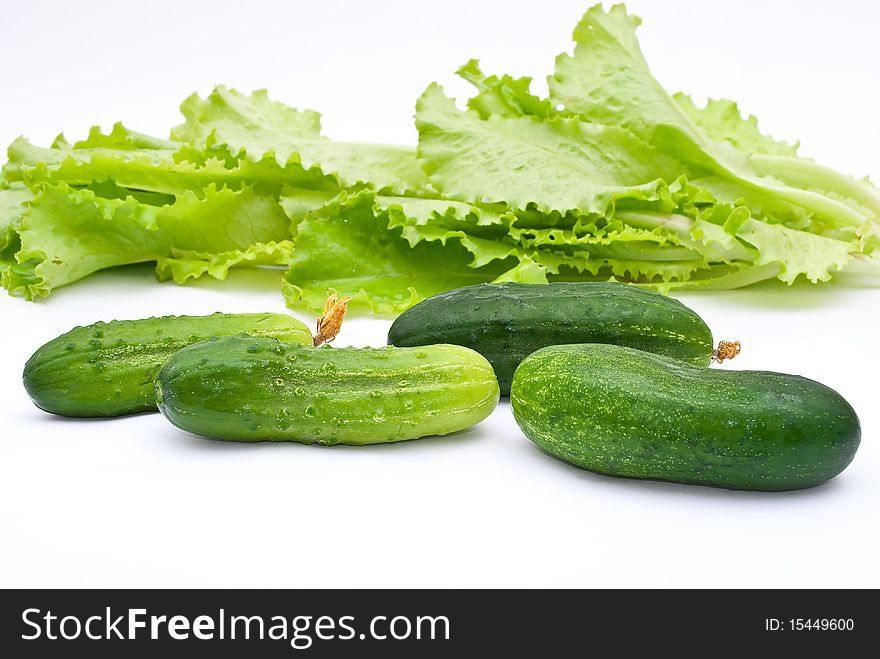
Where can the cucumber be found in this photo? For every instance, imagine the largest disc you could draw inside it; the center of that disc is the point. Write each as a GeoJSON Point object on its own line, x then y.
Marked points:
{"type": "Point", "coordinates": [624, 412]}
{"type": "Point", "coordinates": [259, 389]}
{"type": "Point", "coordinates": [108, 369]}
{"type": "Point", "coordinates": [507, 322]}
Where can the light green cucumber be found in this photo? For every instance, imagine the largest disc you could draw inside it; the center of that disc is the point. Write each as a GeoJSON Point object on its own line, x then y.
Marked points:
{"type": "Point", "coordinates": [263, 390]}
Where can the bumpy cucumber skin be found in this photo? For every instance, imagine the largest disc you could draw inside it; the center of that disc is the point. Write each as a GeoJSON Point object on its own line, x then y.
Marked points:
{"type": "Point", "coordinates": [624, 412]}
{"type": "Point", "coordinates": [108, 369]}
{"type": "Point", "coordinates": [507, 322]}
{"type": "Point", "coordinates": [263, 390]}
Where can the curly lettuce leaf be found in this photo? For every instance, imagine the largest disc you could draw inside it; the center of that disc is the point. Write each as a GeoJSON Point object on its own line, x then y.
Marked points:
{"type": "Point", "coordinates": [861, 196]}
{"type": "Point", "coordinates": [685, 249]}
{"type": "Point", "coordinates": [722, 121]}
{"type": "Point", "coordinates": [121, 138]}
{"type": "Point", "coordinates": [13, 203]}
{"type": "Point", "coordinates": [235, 126]}
{"type": "Point", "coordinates": [608, 178]}
{"type": "Point", "coordinates": [502, 96]}
{"type": "Point", "coordinates": [420, 214]}
{"type": "Point", "coordinates": [720, 277]}
{"type": "Point", "coordinates": [480, 232]}
{"type": "Point", "coordinates": [527, 271]}
{"type": "Point", "coordinates": [253, 119]}
{"type": "Point", "coordinates": [24, 158]}
{"type": "Point", "coordinates": [419, 217]}
{"type": "Point", "coordinates": [66, 234]}
{"type": "Point", "coordinates": [606, 79]}
{"type": "Point", "coordinates": [347, 247]}
{"type": "Point", "coordinates": [794, 252]}
{"type": "Point", "coordinates": [582, 266]}
{"type": "Point", "coordinates": [624, 243]}
{"type": "Point", "coordinates": [557, 164]}
{"type": "Point", "coordinates": [189, 264]}
{"type": "Point", "coordinates": [151, 170]}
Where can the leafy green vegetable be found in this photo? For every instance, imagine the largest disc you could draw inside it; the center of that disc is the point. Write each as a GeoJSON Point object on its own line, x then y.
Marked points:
{"type": "Point", "coordinates": [609, 177]}
{"type": "Point", "coordinates": [555, 164]}
{"type": "Point", "coordinates": [722, 121]}
{"type": "Point", "coordinates": [607, 80]}
{"type": "Point", "coordinates": [227, 116]}
{"type": "Point", "coordinates": [66, 234]}
{"type": "Point", "coordinates": [151, 170]}
{"type": "Point", "coordinates": [347, 247]}
{"type": "Point", "coordinates": [502, 96]}
{"type": "Point", "coordinates": [251, 127]}
{"type": "Point", "coordinates": [796, 252]}
{"type": "Point", "coordinates": [190, 264]}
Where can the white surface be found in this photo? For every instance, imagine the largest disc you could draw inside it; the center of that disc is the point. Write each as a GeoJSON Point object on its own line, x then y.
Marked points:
{"type": "Point", "coordinates": [134, 502]}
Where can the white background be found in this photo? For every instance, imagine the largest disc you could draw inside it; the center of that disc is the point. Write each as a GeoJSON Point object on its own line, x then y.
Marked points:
{"type": "Point", "coordinates": [135, 502]}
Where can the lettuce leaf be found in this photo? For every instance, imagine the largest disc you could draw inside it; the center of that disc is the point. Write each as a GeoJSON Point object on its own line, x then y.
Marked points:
{"type": "Point", "coordinates": [151, 170]}
{"type": "Point", "coordinates": [238, 127]}
{"type": "Point", "coordinates": [794, 252]}
{"type": "Point", "coordinates": [190, 264]}
{"type": "Point", "coordinates": [609, 177]}
{"type": "Point", "coordinates": [722, 121]}
{"type": "Point", "coordinates": [347, 247]}
{"type": "Point", "coordinates": [13, 203]}
{"type": "Point", "coordinates": [502, 96]}
{"type": "Point", "coordinates": [607, 80]}
{"type": "Point", "coordinates": [527, 271]}
{"type": "Point", "coordinates": [66, 234]}
{"type": "Point", "coordinates": [556, 164]}
{"type": "Point", "coordinates": [252, 119]}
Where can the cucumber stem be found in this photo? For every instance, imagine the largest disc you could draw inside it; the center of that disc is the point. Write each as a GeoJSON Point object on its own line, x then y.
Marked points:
{"type": "Point", "coordinates": [330, 322]}
{"type": "Point", "coordinates": [726, 350]}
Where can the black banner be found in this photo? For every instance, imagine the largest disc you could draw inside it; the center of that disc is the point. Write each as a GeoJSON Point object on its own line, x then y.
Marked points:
{"type": "Point", "coordinates": [437, 623]}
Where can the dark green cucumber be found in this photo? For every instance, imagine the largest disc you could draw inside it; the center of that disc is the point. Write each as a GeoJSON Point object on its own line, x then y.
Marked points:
{"type": "Point", "coordinates": [507, 322]}
{"type": "Point", "coordinates": [108, 369]}
{"type": "Point", "coordinates": [625, 412]}
{"type": "Point", "coordinates": [258, 390]}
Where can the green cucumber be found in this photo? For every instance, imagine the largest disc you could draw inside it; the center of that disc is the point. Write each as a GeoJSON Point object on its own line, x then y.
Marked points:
{"type": "Point", "coordinates": [108, 369]}
{"type": "Point", "coordinates": [507, 322]}
{"type": "Point", "coordinates": [625, 412]}
{"type": "Point", "coordinates": [263, 390]}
